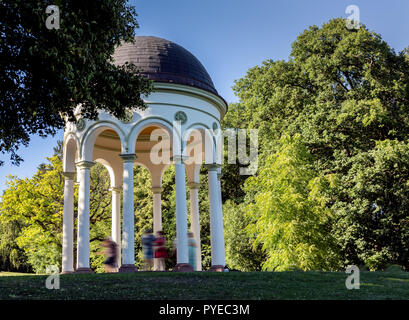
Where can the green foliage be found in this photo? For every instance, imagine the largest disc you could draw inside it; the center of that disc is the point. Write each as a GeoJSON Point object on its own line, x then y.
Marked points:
{"type": "Point", "coordinates": [346, 92]}
{"type": "Point", "coordinates": [340, 89]}
{"type": "Point", "coordinates": [240, 254]}
{"type": "Point", "coordinates": [204, 219]}
{"type": "Point", "coordinates": [143, 206]}
{"type": "Point", "coordinates": [41, 250]}
{"type": "Point", "coordinates": [289, 216]}
{"type": "Point", "coordinates": [373, 228]}
{"type": "Point", "coordinates": [232, 182]}
{"type": "Point", "coordinates": [12, 257]}
{"type": "Point", "coordinates": [46, 74]}
{"type": "Point", "coordinates": [36, 206]}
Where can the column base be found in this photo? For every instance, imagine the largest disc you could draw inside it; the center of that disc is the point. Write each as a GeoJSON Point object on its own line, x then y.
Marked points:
{"type": "Point", "coordinates": [183, 267]}
{"type": "Point", "coordinates": [127, 268]}
{"type": "Point", "coordinates": [67, 272]}
{"type": "Point", "coordinates": [216, 268]}
{"type": "Point", "coordinates": [83, 270]}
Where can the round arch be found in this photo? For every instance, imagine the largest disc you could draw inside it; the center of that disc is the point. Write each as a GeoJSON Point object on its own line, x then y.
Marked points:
{"type": "Point", "coordinates": [71, 152]}
{"type": "Point", "coordinates": [110, 169]}
{"type": "Point", "coordinates": [148, 122]}
{"type": "Point", "coordinates": [91, 135]}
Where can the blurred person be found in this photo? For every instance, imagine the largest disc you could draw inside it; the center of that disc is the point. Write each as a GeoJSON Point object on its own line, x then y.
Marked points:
{"type": "Point", "coordinates": [111, 253]}
{"type": "Point", "coordinates": [147, 248]}
{"type": "Point", "coordinates": [192, 250]}
{"type": "Point", "coordinates": [160, 250]}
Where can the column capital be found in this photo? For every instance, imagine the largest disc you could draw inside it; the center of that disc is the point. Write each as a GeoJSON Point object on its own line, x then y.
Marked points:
{"type": "Point", "coordinates": [84, 164]}
{"type": "Point", "coordinates": [68, 175]}
{"type": "Point", "coordinates": [212, 166]}
{"type": "Point", "coordinates": [157, 190]}
{"type": "Point", "coordinates": [194, 185]}
{"type": "Point", "coordinates": [115, 189]}
{"type": "Point", "coordinates": [179, 159]}
{"type": "Point", "coordinates": [128, 157]}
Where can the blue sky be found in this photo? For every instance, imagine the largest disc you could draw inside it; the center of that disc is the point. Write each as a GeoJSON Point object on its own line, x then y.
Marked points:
{"type": "Point", "coordinates": [231, 36]}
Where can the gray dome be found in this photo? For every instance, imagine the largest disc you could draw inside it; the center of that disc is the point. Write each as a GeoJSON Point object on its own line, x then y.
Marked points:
{"type": "Point", "coordinates": [161, 60]}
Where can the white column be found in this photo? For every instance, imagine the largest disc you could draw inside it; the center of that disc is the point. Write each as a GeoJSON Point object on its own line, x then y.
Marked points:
{"type": "Point", "coordinates": [157, 216]}
{"type": "Point", "coordinates": [216, 219]}
{"type": "Point", "coordinates": [116, 219]}
{"type": "Point", "coordinates": [195, 221]}
{"type": "Point", "coordinates": [128, 237]}
{"type": "Point", "coordinates": [68, 224]}
{"type": "Point", "coordinates": [157, 208]}
{"type": "Point", "coordinates": [83, 216]}
{"type": "Point", "coordinates": [220, 204]}
{"type": "Point", "coordinates": [182, 253]}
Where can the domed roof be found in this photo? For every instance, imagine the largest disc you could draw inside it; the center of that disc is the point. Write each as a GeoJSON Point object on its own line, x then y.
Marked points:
{"type": "Point", "coordinates": [161, 60]}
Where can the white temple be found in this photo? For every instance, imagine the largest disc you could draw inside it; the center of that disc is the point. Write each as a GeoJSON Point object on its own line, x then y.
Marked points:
{"type": "Point", "coordinates": [180, 127]}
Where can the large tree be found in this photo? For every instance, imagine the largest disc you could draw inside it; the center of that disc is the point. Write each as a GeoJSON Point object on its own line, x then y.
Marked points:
{"type": "Point", "coordinates": [373, 221]}
{"type": "Point", "coordinates": [289, 216]}
{"type": "Point", "coordinates": [46, 73]}
{"type": "Point", "coordinates": [346, 92]}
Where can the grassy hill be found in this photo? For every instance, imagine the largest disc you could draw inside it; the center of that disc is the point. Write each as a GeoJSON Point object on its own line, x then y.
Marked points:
{"type": "Point", "coordinates": [204, 285]}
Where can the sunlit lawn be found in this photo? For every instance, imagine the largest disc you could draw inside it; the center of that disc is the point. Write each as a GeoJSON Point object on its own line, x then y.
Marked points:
{"type": "Point", "coordinates": [205, 285]}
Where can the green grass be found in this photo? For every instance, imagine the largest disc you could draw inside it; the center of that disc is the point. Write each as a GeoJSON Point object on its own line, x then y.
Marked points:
{"type": "Point", "coordinates": [205, 285]}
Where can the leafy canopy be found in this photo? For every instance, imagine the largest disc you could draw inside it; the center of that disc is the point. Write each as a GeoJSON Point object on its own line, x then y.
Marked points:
{"type": "Point", "coordinates": [45, 74]}
{"type": "Point", "coordinates": [346, 93]}
{"type": "Point", "coordinates": [289, 216]}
